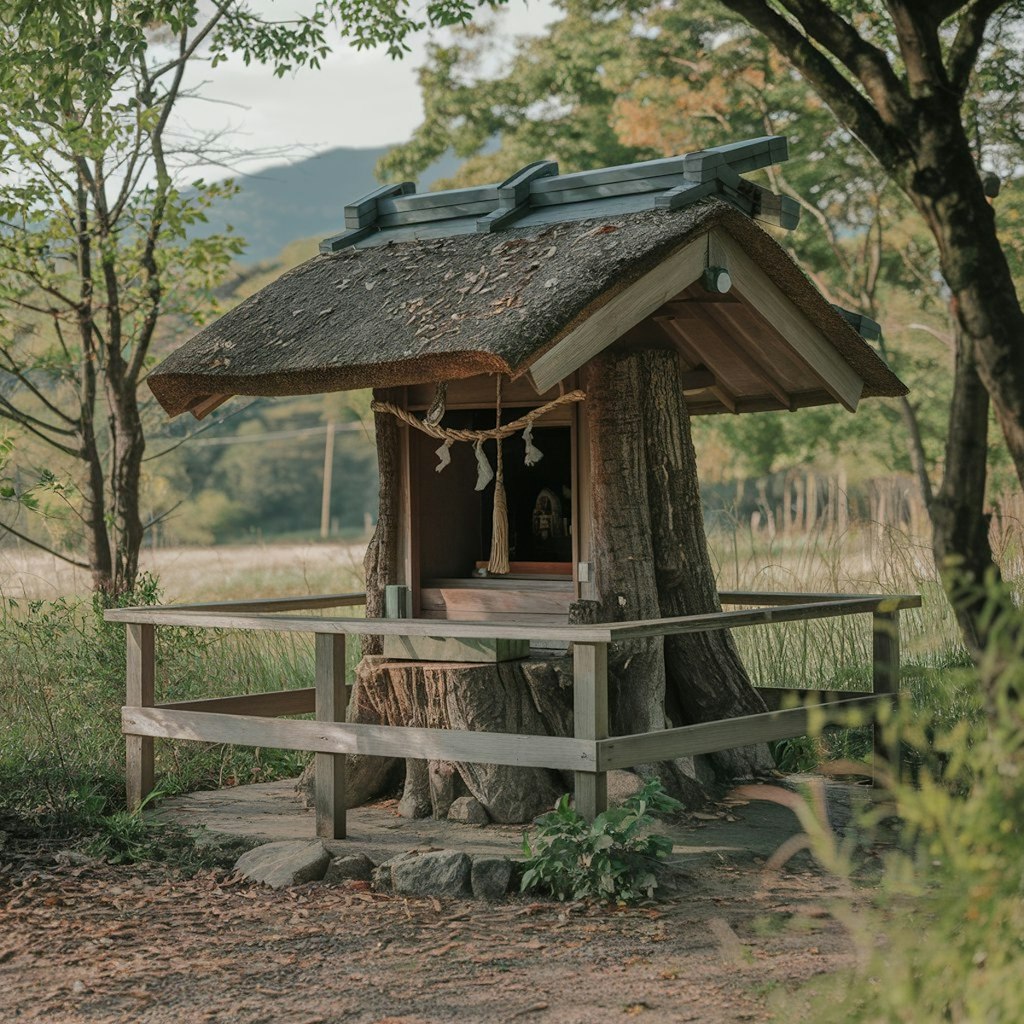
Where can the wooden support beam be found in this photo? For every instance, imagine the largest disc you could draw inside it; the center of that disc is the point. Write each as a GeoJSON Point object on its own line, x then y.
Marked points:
{"type": "Point", "coordinates": [139, 693]}
{"type": "Point", "coordinates": [805, 341]}
{"type": "Point", "coordinates": [778, 698]}
{"type": "Point", "coordinates": [329, 795]}
{"type": "Point", "coordinates": [352, 626]}
{"type": "Point", "coordinates": [711, 737]}
{"type": "Point", "coordinates": [746, 356]}
{"type": "Point", "coordinates": [891, 602]}
{"type": "Point", "coordinates": [678, 340]}
{"type": "Point", "coordinates": [697, 379]}
{"type": "Point", "coordinates": [755, 616]}
{"type": "Point", "coordinates": [303, 602]}
{"type": "Point", "coordinates": [590, 721]}
{"type": "Point", "coordinates": [555, 752]}
{"type": "Point", "coordinates": [202, 407]}
{"type": "Point", "coordinates": [264, 705]}
{"type": "Point", "coordinates": [885, 679]}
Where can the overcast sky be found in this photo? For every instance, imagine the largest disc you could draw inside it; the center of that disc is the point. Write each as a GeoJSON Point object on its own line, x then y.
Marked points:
{"type": "Point", "coordinates": [356, 99]}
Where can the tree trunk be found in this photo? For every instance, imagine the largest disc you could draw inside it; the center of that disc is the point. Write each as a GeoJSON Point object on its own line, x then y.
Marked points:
{"type": "Point", "coordinates": [527, 697]}
{"type": "Point", "coordinates": [960, 525]}
{"type": "Point", "coordinates": [944, 184]}
{"type": "Point", "coordinates": [706, 679]}
{"type": "Point", "coordinates": [128, 447]}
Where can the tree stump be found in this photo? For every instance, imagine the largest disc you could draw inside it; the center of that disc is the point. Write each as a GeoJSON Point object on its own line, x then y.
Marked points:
{"type": "Point", "coordinates": [532, 696]}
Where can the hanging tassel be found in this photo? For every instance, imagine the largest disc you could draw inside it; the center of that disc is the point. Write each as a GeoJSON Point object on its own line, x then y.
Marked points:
{"type": "Point", "coordinates": [533, 454]}
{"type": "Point", "coordinates": [444, 453]}
{"type": "Point", "coordinates": [498, 564]}
{"type": "Point", "coordinates": [484, 473]}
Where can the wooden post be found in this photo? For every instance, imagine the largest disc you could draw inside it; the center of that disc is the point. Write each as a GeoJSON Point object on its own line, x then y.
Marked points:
{"type": "Point", "coordinates": [329, 780]}
{"type": "Point", "coordinates": [885, 678]}
{"type": "Point", "coordinates": [325, 497]}
{"type": "Point", "coordinates": [139, 693]}
{"type": "Point", "coordinates": [590, 721]}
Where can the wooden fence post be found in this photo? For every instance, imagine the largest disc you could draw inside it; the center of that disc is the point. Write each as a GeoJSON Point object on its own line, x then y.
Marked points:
{"type": "Point", "coordinates": [885, 678]}
{"type": "Point", "coordinates": [329, 779]}
{"type": "Point", "coordinates": [139, 693]}
{"type": "Point", "coordinates": [590, 720]}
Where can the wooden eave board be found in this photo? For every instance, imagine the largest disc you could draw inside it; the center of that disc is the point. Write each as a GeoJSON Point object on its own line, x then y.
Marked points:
{"type": "Point", "coordinates": [478, 392]}
{"type": "Point", "coordinates": [616, 316]}
{"type": "Point", "coordinates": [716, 332]}
{"type": "Point", "coordinates": [700, 342]}
{"type": "Point", "coordinates": [754, 285]}
{"type": "Point", "coordinates": [802, 359]}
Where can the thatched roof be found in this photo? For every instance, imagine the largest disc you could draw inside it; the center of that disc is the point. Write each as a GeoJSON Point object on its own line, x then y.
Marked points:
{"type": "Point", "coordinates": [432, 309]}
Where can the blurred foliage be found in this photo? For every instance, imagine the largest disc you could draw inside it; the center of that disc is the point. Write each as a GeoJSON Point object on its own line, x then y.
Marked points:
{"type": "Point", "coordinates": [951, 899]}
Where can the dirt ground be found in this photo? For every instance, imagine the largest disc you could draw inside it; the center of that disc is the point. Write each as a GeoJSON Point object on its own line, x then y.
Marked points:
{"type": "Point", "coordinates": [91, 942]}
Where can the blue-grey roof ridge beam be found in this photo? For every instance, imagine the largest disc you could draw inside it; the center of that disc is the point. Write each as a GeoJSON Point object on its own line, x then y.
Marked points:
{"type": "Point", "coordinates": [667, 183]}
{"type": "Point", "coordinates": [363, 213]}
{"type": "Point", "coordinates": [514, 196]}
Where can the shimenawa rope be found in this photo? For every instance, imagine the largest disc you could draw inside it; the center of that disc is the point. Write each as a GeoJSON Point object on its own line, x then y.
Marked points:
{"type": "Point", "coordinates": [453, 434]}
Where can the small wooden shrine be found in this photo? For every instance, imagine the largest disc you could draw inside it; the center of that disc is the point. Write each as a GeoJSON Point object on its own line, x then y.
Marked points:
{"type": "Point", "coordinates": [536, 349]}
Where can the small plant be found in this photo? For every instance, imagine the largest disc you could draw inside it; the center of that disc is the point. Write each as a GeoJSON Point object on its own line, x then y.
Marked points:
{"type": "Point", "coordinates": [612, 858]}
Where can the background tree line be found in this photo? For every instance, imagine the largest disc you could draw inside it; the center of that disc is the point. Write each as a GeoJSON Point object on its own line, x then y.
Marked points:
{"type": "Point", "coordinates": [101, 267]}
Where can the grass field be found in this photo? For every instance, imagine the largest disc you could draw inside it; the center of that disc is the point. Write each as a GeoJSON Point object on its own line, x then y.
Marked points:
{"type": "Point", "coordinates": [61, 667]}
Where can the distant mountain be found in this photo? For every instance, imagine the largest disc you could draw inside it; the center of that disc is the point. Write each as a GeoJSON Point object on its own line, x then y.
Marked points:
{"type": "Point", "coordinates": [304, 199]}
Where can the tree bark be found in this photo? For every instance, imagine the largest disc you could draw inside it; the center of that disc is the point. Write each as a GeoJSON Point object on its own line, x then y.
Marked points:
{"type": "Point", "coordinates": [913, 123]}
{"type": "Point", "coordinates": [960, 525]}
{"type": "Point", "coordinates": [706, 679]}
{"type": "Point", "coordinates": [528, 697]}
{"type": "Point", "coordinates": [380, 563]}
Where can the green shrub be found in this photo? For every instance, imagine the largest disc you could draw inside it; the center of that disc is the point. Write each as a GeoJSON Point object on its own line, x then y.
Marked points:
{"type": "Point", "coordinates": [611, 858]}
{"type": "Point", "coordinates": [951, 902]}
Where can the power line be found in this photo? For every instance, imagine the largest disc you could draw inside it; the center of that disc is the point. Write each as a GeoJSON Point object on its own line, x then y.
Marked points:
{"type": "Point", "coordinates": [276, 434]}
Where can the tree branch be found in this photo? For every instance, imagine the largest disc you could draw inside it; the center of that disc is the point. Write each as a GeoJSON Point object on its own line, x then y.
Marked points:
{"type": "Point", "coordinates": [865, 61]}
{"type": "Point", "coordinates": [849, 105]}
{"type": "Point", "coordinates": [44, 547]}
{"type": "Point", "coordinates": [19, 375]}
{"type": "Point", "coordinates": [11, 412]}
{"type": "Point", "coordinates": [966, 45]}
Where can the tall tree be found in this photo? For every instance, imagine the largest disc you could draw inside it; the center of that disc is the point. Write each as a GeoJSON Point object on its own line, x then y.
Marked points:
{"type": "Point", "coordinates": [897, 75]}
{"type": "Point", "coordinates": [672, 77]}
{"type": "Point", "coordinates": [96, 207]}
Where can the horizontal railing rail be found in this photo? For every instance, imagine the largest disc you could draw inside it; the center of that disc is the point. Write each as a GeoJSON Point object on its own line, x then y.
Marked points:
{"type": "Point", "coordinates": [253, 719]}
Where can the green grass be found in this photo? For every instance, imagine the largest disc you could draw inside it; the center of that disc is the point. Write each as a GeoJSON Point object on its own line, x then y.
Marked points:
{"type": "Point", "coordinates": [62, 667]}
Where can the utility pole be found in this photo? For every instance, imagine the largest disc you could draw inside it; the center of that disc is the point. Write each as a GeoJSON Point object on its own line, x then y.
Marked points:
{"type": "Point", "coordinates": [325, 502]}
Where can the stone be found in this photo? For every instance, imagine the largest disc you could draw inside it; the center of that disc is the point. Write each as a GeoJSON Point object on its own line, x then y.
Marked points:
{"type": "Point", "coordinates": [490, 877]}
{"type": "Point", "coordinates": [280, 865]}
{"type": "Point", "coordinates": [469, 811]}
{"type": "Point", "coordinates": [622, 785]}
{"type": "Point", "coordinates": [381, 878]}
{"type": "Point", "coordinates": [441, 873]}
{"type": "Point", "coordinates": [355, 866]}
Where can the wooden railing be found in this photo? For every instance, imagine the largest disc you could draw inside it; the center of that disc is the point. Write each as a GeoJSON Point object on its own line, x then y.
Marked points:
{"type": "Point", "coordinates": [250, 720]}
